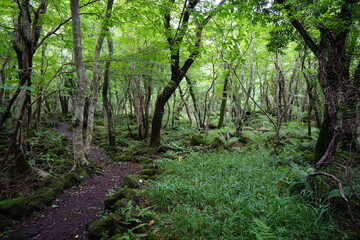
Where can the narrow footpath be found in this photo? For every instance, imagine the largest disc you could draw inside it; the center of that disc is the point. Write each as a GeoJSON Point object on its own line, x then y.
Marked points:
{"type": "Point", "coordinates": [67, 217]}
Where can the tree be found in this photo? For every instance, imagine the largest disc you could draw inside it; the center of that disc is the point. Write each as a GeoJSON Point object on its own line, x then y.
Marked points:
{"type": "Point", "coordinates": [175, 39]}
{"type": "Point", "coordinates": [96, 76]}
{"type": "Point", "coordinates": [338, 70]}
{"type": "Point", "coordinates": [79, 99]}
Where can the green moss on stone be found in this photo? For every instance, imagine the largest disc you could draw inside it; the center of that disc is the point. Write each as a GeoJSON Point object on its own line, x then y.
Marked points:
{"type": "Point", "coordinates": [122, 193]}
{"type": "Point", "coordinates": [100, 227]}
{"type": "Point", "coordinates": [197, 139]}
{"type": "Point", "coordinates": [131, 181]}
{"type": "Point", "coordinates": [40, 199]}
{"type": "Point", "coordinates": [12, 208]}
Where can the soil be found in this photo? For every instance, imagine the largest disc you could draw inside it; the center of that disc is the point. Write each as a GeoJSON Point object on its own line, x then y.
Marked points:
{"type": "Point", "coordinates": [68, 215]}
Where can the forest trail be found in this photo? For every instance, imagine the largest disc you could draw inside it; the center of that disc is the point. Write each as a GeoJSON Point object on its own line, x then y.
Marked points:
{"type": "Point", "coordinates": [67, 217]}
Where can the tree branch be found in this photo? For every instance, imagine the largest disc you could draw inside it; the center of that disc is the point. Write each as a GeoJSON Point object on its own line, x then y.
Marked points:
{"type": "Point", "coordinates": [58, 27]}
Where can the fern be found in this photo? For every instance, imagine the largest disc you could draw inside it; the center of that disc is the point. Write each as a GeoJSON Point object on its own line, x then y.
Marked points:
{"type": "Point", "coordinates": [263, 231]}
{"type": "Point", "coordinates": [227, 142]}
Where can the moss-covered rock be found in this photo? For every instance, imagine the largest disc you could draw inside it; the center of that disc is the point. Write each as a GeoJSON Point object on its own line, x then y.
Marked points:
{"type": "Point", "coordinates": [120, 204]}
{"type": "Point", "coordinates": [131, 181]}
{"type": "Point", "coordinates": [71, 179]}
{"type": "Point", "coordinates": [40, 199]}
{"type": "Point", "coordinates": [146, 177]}
{"type": "Point", "coordinates": [100, 227]}
{"type": "Point", "coordinates": [149, 172]}
{"type": "Point", "coordinates": [197, 139]}
{"type": "Point", "coordinates": [122, 193]}
{"type": "Point", "coordinates": [57, 187]}
{"type": "Point", "coordinates": [13, 208]}
{"type": "Point", "coordinates": [5, 222]}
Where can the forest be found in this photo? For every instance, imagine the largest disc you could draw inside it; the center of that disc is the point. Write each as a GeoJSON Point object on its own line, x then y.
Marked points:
{"type": "Point", "coordinates": [180, 119]}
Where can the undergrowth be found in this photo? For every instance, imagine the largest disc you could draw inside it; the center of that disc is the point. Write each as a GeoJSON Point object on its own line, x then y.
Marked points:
{"type": "Point", "coordinates": [248, 194]}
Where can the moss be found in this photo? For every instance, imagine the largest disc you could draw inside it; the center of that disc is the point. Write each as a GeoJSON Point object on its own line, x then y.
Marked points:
{"type": "Point", "coordinates": [100, 227]}
{"type": "Point", "coordinates": [120, 204]}
{"type": "Point", "coordinates": [149, 172]}
{"type": "Point", "coordinates": [71, 179]}
{"type": "Point", "coordinates": [5, 222]}
{"type": "Point", "coordinates": [145, 177]}
{"type": "Point", "coordinates": [197, 139]}
{"type": "Point", "coordinates": [40, 199]}
{"type": "Point", "coordinates": [12, 208]}
{"type": "Point", "coordinates": [112, 199]}
{"type": "Point", "coordinates": [123, 193]}
{"type": "Point", "coordinates": [57, 187]}
{"type": "Point", "coordinates": [131, 181]}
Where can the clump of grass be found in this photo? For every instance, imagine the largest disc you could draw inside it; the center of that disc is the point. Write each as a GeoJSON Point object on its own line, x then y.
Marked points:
{"type": "Point", "coordinates": [242, 195]}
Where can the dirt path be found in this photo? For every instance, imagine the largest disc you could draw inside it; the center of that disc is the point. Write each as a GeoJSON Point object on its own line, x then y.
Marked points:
{"type": "Point", "coordinates": [66, 218]}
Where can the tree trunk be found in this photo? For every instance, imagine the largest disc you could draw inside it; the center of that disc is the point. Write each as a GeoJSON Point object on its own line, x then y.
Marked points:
{"type": "Point", "coordinates": [177, 72]}
{"type": "Point", "coordinates": [223, 102]}
{"type": "Point", "coordinates": [96, 78]}
{"type": "Point", "coordinates": [197, 112]}
{"type": "Point", "coordinates": [79, 99]}
{"type": "Point", "coordinates": [109, 126]}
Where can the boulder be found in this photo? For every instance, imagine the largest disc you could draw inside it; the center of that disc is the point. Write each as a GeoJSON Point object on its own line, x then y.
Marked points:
{"type": "Point", "coordinates": [131, 181]}
{"type": "Point", "coordinates": [13, 208]}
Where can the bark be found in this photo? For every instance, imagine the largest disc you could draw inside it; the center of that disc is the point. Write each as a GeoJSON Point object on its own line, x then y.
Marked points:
{"type": "Point", "coordinates": [79, 98]}
{"type": "Point", "coordinates": [186, 105]}
{"type": "Point", "coordinates": [197, 112]}
{"type": "Point", "coordinates": [177, 72]}
{"type": "Point", "coordinates": [109, 126]}
{"type": "Point", "coordinates": [223, 102]}
{"type": "Point", "coordinates": [139, 107]}
{"type": "Point", "coordinates": [96, 78]}
{"type": "Point", "coordinates": [27, 32]}
{"type": "Point", "coordinates": [341, 91]}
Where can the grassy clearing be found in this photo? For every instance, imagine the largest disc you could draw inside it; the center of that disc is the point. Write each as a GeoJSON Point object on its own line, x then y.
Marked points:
{"type": "Point", "coordinates": [248, 194]}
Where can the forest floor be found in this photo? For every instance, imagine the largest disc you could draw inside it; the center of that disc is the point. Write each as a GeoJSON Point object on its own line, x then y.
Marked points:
{"type": "Point", "coordinates": [68, 216]}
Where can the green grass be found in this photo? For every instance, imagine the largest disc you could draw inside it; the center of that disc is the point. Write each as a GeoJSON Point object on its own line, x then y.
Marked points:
{"type": "Point", "coordinates": [247, 194]}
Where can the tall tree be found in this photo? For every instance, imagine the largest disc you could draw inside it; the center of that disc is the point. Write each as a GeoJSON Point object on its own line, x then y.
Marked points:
{"type": "Point", "coordinates": [175, 39]}
{"type": "Point", "coordinates": [96, 75]}
{"type": "Point", "coordinates": [82, 84]}
{"type": "Point", "coordinates": [335, 53]}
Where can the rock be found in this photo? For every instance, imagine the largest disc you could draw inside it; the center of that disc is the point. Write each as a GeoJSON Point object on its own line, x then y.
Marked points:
{"type": "Point", "coordinates": [112, 199]}
{"type": "Point", "coordinates": [71, 179]}
{"type": "Point", "coordinates": [149, 172]}
{"type": "Point", "coordinates": [100, 227]}
{"type": "Point", "coordinates": [13, 208]}
{"type": "Point", "coordinates": [123, 193]}
{"type": "Point", "coordinates": [120, 204]}
{"type": "Point", "coordinates": [40, 199]}
{"type": "Point", "coordinates": [197, 139]}
{"type": "Point", "coordinates": [131, 181]}
{"type": "Point", "coordinates": [5, 222]}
